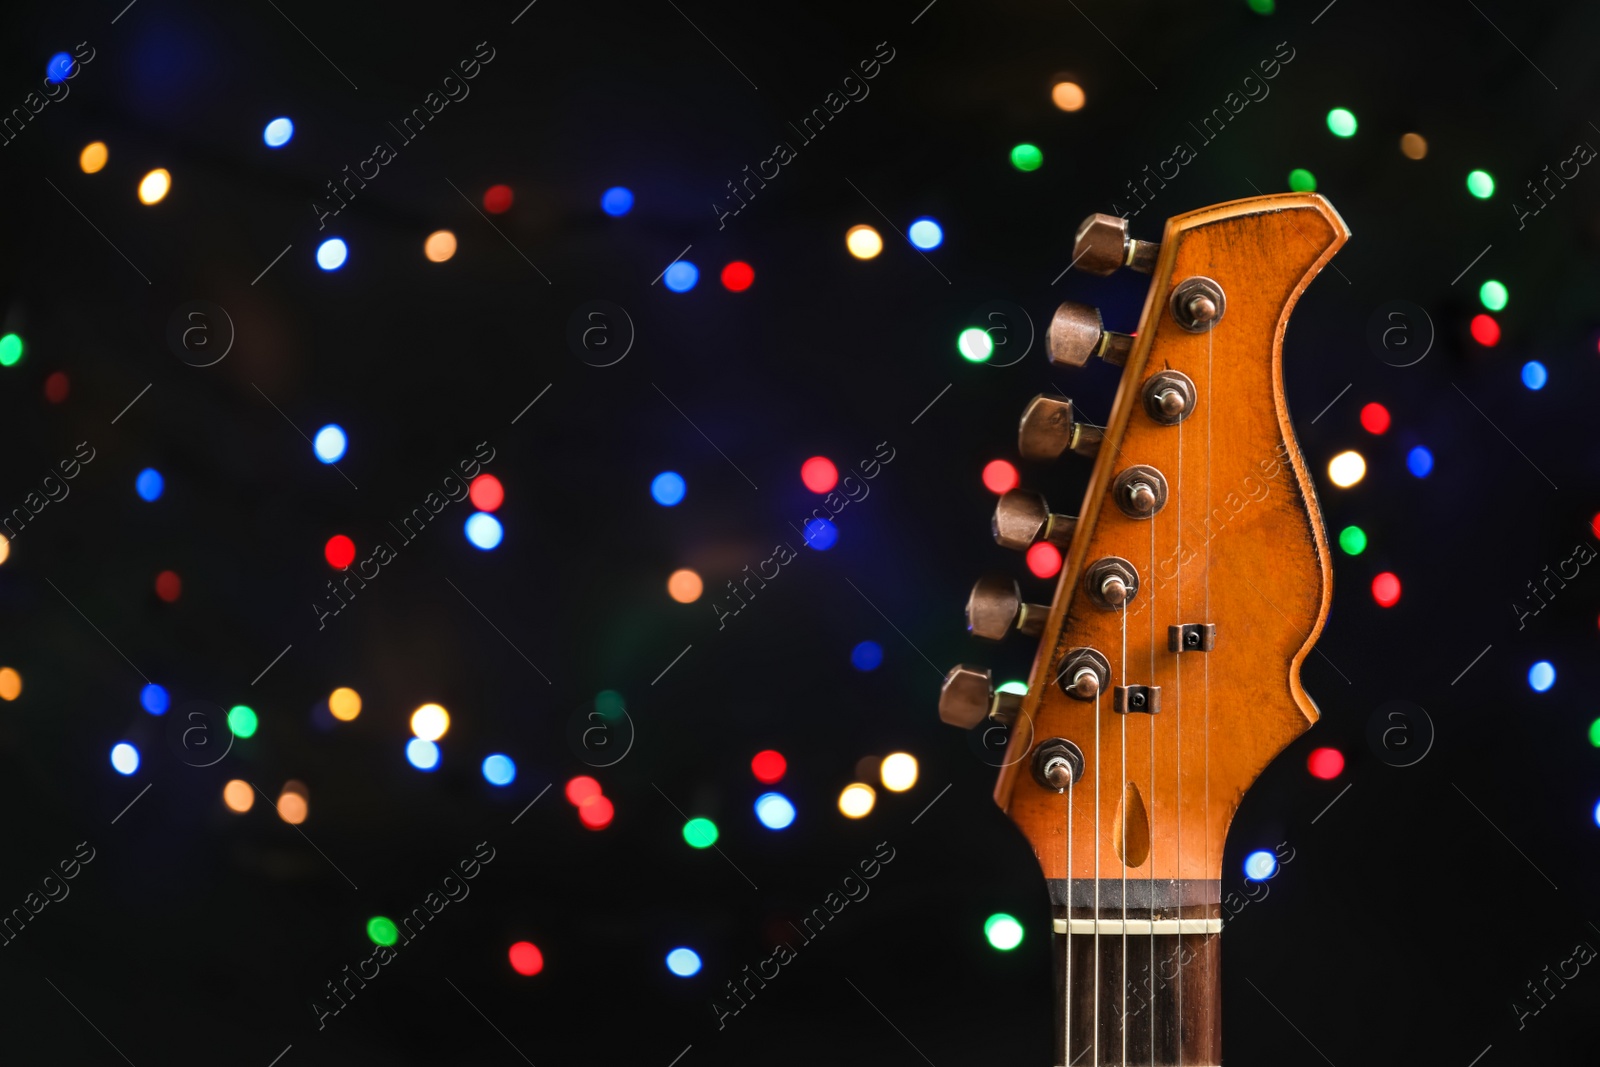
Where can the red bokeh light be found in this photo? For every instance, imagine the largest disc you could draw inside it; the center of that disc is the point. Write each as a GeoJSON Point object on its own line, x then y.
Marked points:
{"type": "Point", "coordinates": [1594, 524]}
{"type": "Point", "coordinates": [1386, 589]}
{"type": "Point", "coordinates": [56, 387]}
{"type": "Point", "coordinates": [819, 474]}
{"type": "Point", "coordinates": [1000, 476]}
{"type": "Point", "coordinates": [1325, 763]}
{"type": "Point", "coordinates": [768, 766]}
{"type": "Point", "coordinates": [582, 788]}
{"type": "Point", "coordinates": [1375, 418]}
{"type": "Point", "coordinates": [738, 276]}
{"type": "Point", "coordinates": [1485, 330]}
{"type": "Point", "coordinates": [596, 812]}
{"type": "Point", "coordinates": [340, 551]}
{"type": "Point", "coordinates": [1044, 560]}
{"type": "Point", "coordinates": [169, 586]}
{"type": "Point", "coordinates": [497, 199]}
{"type": "Point", "coordinates": [486, 492]}
{"type": "Point", "coordinates": [526, 959]}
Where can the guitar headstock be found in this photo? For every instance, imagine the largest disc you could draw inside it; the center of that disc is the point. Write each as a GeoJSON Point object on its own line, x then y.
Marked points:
{"type": "Point", "coordinates": [1196, 574]}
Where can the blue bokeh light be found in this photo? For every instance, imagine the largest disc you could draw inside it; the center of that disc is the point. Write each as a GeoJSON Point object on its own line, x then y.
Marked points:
{"type": "Point", "coordinates": [330, 443]}
{"type": "Point", "coordinates": [1597, 813]}
{"type": "Point", "coordinates": [681, 276]}
{"type": "Point", "coordinates": [149, 484]}
{"type": "Point", "coordinates": [423, 755]}
{"type": "Point", "coordinates": [616, 201]}
{"type": "Point", "coordinates": [774, 810]}
{"type": "Point", "coordinates": [1542, 675]}
{"type": "Point", "coordinates": [683, 962]}
{"type": "Point", "coordinates": [1419, 461]}
{"type": "Point", "coordinates": [332, 253]}
{"type": "Point", "coordinates": [153, 698]}
{"type": "Point", "coordinates": [124, 758]}
{"type": "Point", "coordinates": [484, 531]}
{"type": "Point", "coordinates": [821, 534]}
{"type": "Point", "coordinates": [278, 132]}
{"type": "Point", "coordinates": [1534, 375]}
{"type": "Point", "coordinates": [1260, 865]}
{"type": "Point", "coordinates": [866, 656]}
{"type": "Point", "coordinates": [499, 769]}
{"type": "Point", "coordinates": [59, 68]}
{"type": "Point", "coordinates": [668, 488]}
{"type": "Point", "coordinates": [926, 234]}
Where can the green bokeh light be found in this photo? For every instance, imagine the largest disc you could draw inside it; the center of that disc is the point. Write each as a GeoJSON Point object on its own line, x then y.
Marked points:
{"type": "Point", "coordinates": [1027, 157]}
{"type": "Point", "coordinates": [1594, 733]}
{"type": "Point", "coordinates": [1019, 688]}
{"type": "Point", "coordinates": [975, 345]}
{"type": "Point", "coordinates": [608, 702]}
{"type": "Point", "coordinates": [382, 931]}
{"type": "Point", "coordinates": [1262, 7]}
{"type": "Point", "coordinates": [10, 349]}
{"type": "Point", "coordinates": [242, 720]}
{"type": "Point", "coordinates": [1480, 183]}
{"type": "Point", "coordinates": [1003, 931]}
{"type": "Point", "coordinates": [1302, 180]}
{"type": "Point", "coordinates": [1493, 294]}
{"type": "Point", "coordinates": [700, 833]}
{"type": "Point", "coordinates": [1353, 539]}
{"type": "Point", "coordinates": [1342, 122]}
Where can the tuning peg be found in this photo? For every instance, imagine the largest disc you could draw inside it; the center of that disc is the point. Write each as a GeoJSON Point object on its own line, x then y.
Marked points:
{"type": "Point", "coordinates": [995, 606]}
{"type": "Point", "coordinates": [1104, 247]}
{"type": "Point", "coordinates": [1021, 518]}
{"type": "Point", "coordinates": [1047, 430]}
{"type": "Point", "coordinates": [1077, 335]}
{"type": "Point", "coordinates": [967, 698]}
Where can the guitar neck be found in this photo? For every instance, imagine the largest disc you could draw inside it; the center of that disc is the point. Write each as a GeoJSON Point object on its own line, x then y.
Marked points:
{"type": "Point", "coordinates": [1137, 977]}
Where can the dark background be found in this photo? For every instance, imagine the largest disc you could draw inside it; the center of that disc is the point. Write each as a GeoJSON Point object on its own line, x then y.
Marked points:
{"type": "Point", "coordinates": [1408, 921]}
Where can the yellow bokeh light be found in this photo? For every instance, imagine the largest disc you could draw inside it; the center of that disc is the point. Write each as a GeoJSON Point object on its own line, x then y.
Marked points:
{"type": "Point", "coordinates": [1346, 469]}
{"type": "Point", "coordinates": [856, 800]}
{"type": "Point", "coordinates": [1068, 96]}
{"type": "Point", "coordinates": [238, 795]}
{"type": "Point", "coordinates": [440, 246]}
{"type": "Point", "coordinates": [1413, 146]}
{"type": "Point", "coordinates": [93, 157]}
{"type": "Point", "coordinates": [155, 186]}
{"type": "Point", "coordinates": [685, 586]}
{"type": "Point", "coordinates": [429, 722]}
{"type": "Point", "coordinates": [10, 684]}
{"type": "Point", "coordinates": [345, 703]}
{"type": "Point", "coordinates": [5, 548]}
{"type": "Point", "coordinates": [863, 242]}
{"type": "Point", "coordinates": [899, 771]}
{"type": "Point", "coordinates": [293, 809]}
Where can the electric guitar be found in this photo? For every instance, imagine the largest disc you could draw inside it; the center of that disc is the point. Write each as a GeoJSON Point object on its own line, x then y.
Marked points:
{"type": "Point", "coordinates": [1196, 579]}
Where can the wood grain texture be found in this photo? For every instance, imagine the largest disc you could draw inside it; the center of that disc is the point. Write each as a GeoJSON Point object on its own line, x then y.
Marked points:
{"type": "Point", "coordinates": [1240, 544]}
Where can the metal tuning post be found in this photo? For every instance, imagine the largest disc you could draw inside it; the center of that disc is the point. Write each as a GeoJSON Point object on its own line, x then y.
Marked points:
{"type": "Point", "coordinates": [995, 606]}
{"type": "Point", "coordinates": [1047, 430]}
{"type": "Point", "coordinates": [1077, 335]}
{"type": "Point", "coordinates": [967, 699]}
{"type": "Point", "coordinates": [1022, 518]}
{"type": "Point", "coordinates": [1103, 247]}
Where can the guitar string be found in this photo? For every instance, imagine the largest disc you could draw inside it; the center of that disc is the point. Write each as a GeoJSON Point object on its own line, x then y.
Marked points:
{"type": "Point", "coordinates": [1211, 1020]}
{"type": "Point", "coordinates": [1095, 1036]}
{"type": "Point", "coordinates": [1122, 806]}
{"type": "Point", "coordinates": [1150, 855]}
{"type": "Point", "coordinates": [1067, 940]}
{"type": "Point", "coordinates": [1177, 668]}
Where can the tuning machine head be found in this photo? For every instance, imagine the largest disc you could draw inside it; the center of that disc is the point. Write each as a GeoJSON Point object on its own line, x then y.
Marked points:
{"type": "Point", "coordinates": [995, 606]}
{"type": "Point", "coordinates": [1047, 430]}
{"type": "Point", "coordinates": [1022, 518]}
{"type": "Point", "coordinates": [967, 698]}
{"type": "Point", "coordinates": [1103, 247]}
{"type": "Point", "coordinates": [1077, 335]}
